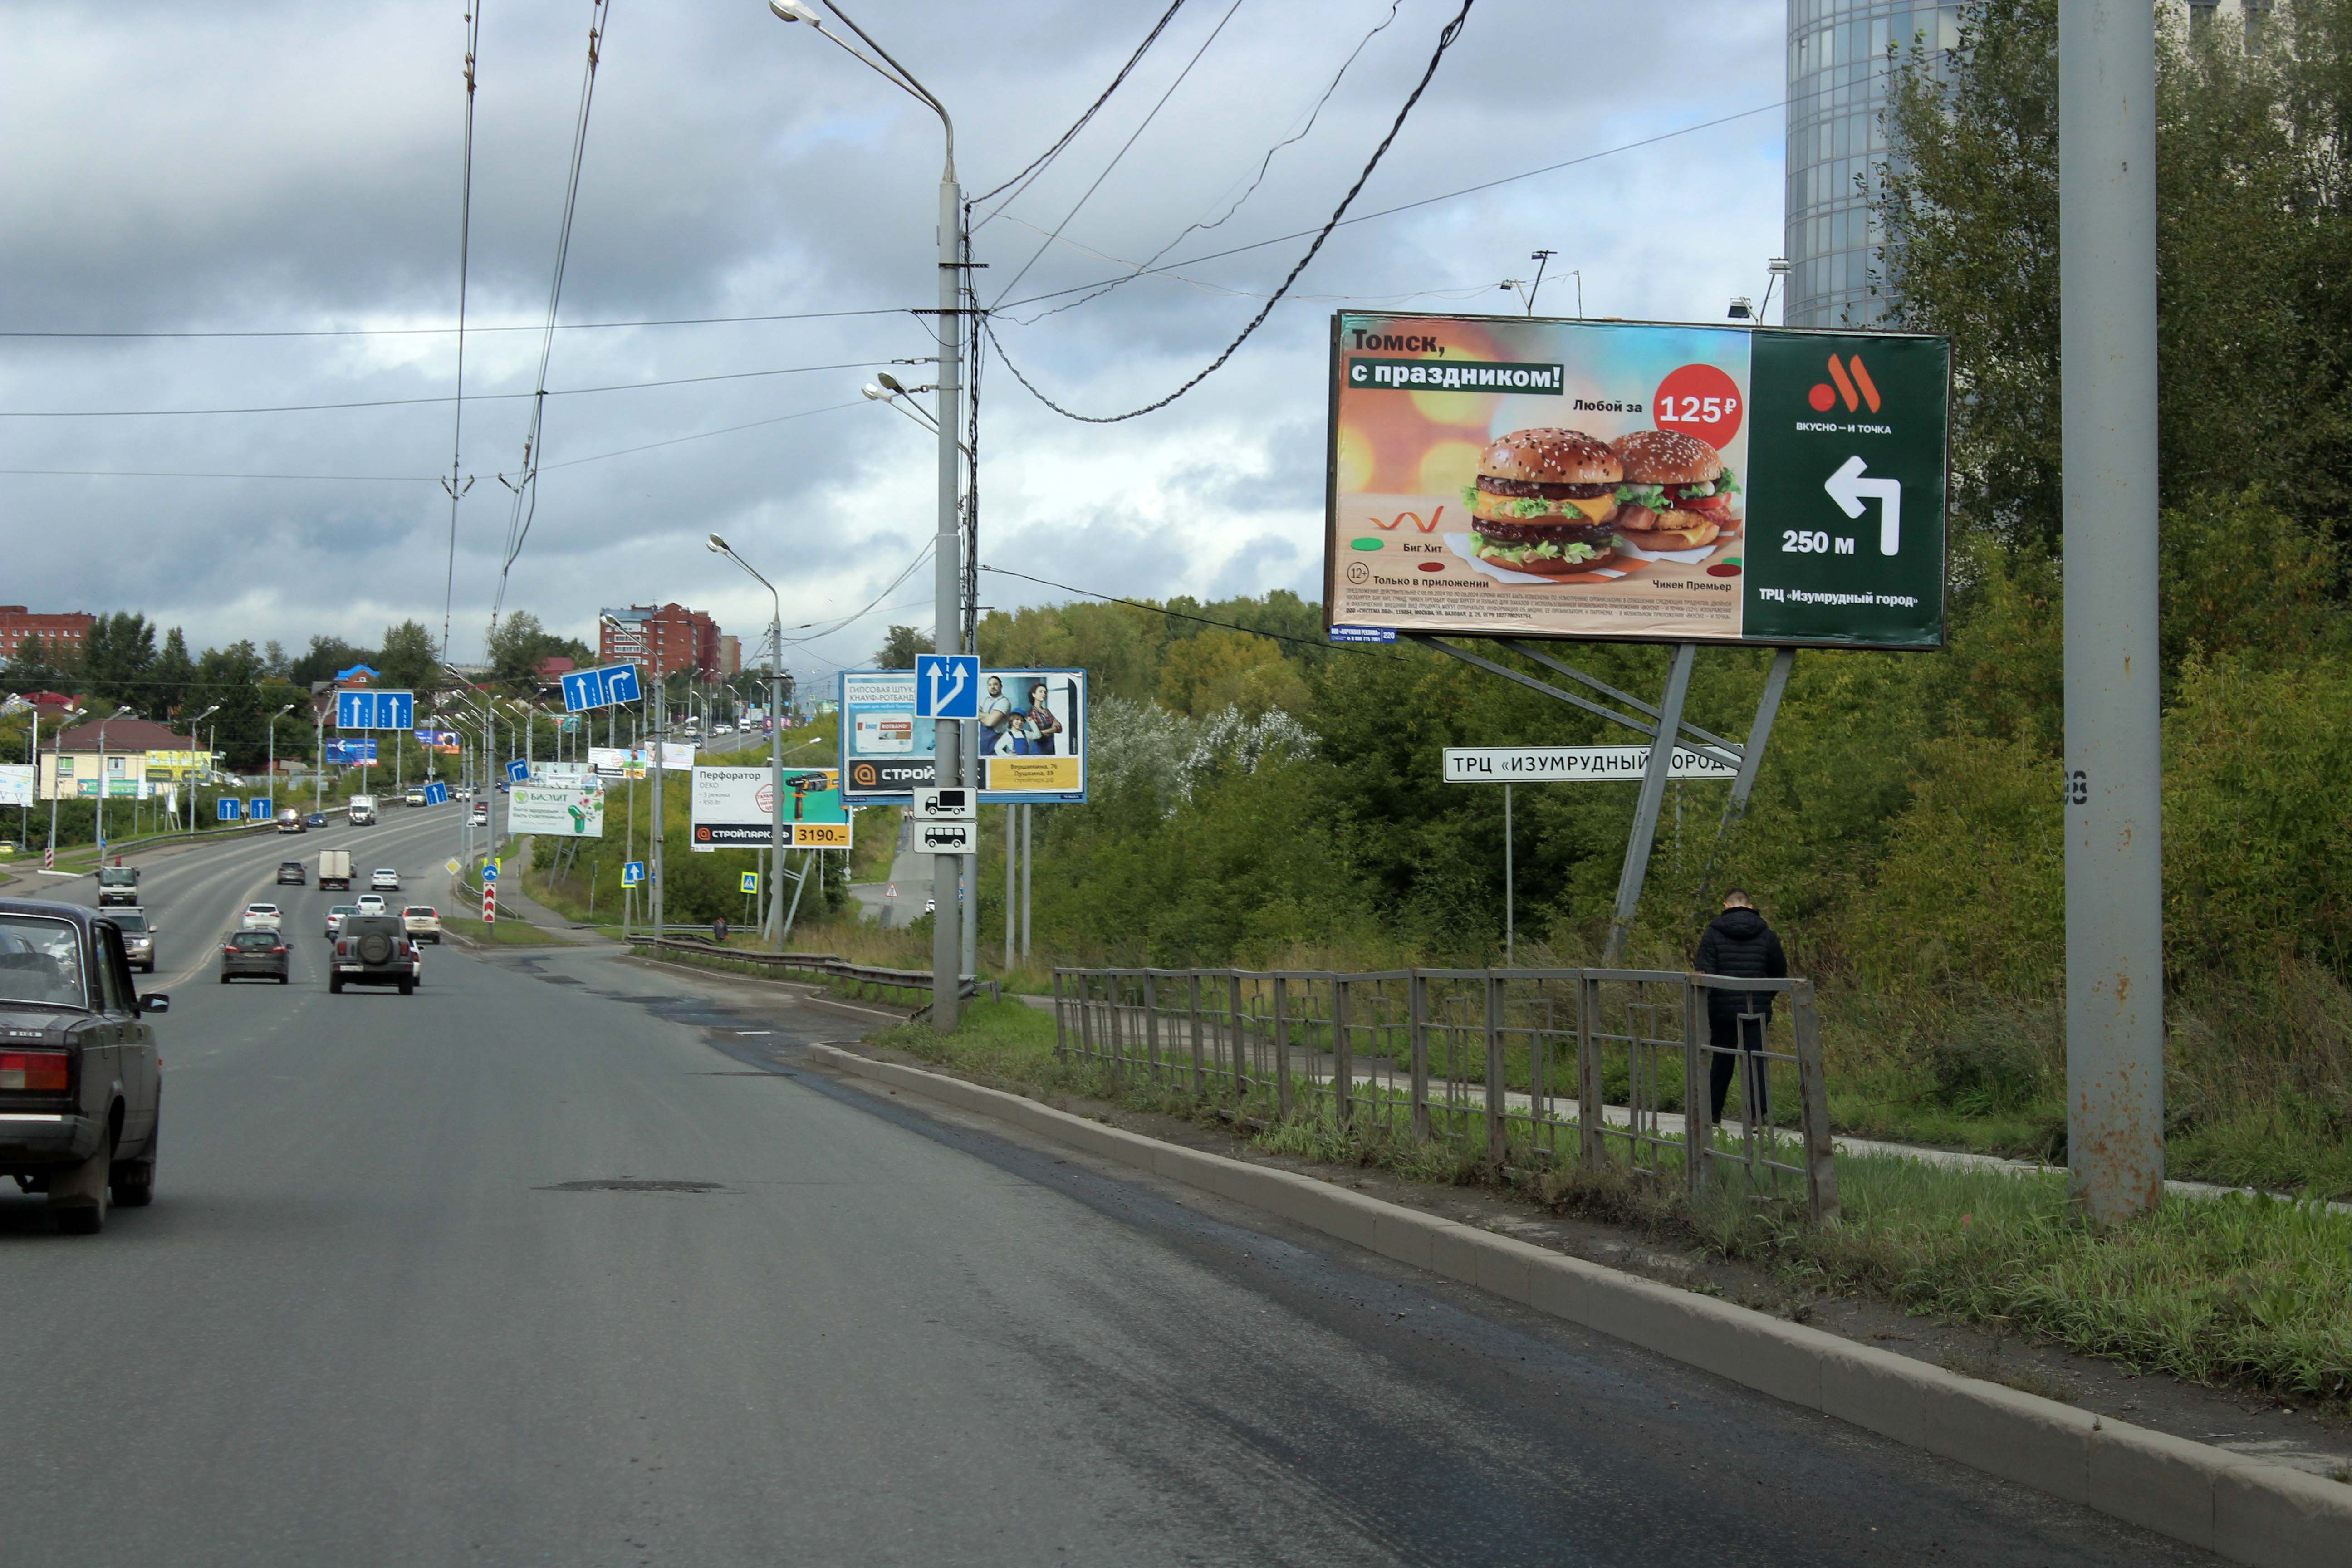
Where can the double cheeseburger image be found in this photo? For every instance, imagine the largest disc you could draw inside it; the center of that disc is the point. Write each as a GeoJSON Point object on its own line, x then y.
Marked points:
{"type": "Point", "coordinates": [1557, 502]}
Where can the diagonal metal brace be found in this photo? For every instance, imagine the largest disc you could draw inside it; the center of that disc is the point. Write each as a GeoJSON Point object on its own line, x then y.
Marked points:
{"type": "Point", "coordinates": [1714, 745]}
{"type": "Point", "coordinates": [1573, 700]}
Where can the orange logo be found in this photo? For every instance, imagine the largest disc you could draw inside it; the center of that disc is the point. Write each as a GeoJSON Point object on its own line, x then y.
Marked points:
{"type": "Point", "coordinates": [1855, 389]}
{"type": "Point", "coordinates": [1429, 527]}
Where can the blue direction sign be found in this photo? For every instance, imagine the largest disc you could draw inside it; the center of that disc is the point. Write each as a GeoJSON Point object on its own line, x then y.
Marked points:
{"type": "Point", "coordinates": [947, 686]}
{"type": "Point", "coordinates": [227, 810]}
{"type": "Point", "coordinates": [584, 688]}
{"type": "Point", "coordinates": [518, 771]}
{"type": "Point", "coordinates": [490, 870]}
{"type": "Point", "coordinates": [375, 710]}
{"type": "Point", "coordinates": [351, 753]}
{"type": "Point", "coordinates": [261, 808]}
{"type": "Point", "coordinates": [435, 793]}
{"type": "Point", "coordinates": [633, 872]}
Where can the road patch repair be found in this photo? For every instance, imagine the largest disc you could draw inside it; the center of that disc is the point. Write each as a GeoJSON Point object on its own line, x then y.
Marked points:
{"type": "Point", "coordinates": [2240, 1507]}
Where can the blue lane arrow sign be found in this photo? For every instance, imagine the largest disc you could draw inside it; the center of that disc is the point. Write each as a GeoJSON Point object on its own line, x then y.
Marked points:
{"type": "Point", "coordinates": [621, 683]}
{"type": "Point", "coordinates": [947, 686]}
{"type": "Point", "coordinates": [260, 809]}
{"type": "Point", "coordinates": [490, 870]}
{"type": "Point", "coordinates": [581, 690]}
{"type": "Point", "coordinates": [518, 771]}
{"type": "Point", "coordinates": [633, 872]}
{"type": "Point", "coordinates": [227, 810]}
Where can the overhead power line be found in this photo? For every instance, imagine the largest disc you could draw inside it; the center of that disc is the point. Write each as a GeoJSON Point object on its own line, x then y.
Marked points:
{"type": "Point", "coordinates": [1180, 615]}
{"type": "Point", "coordinates": [1037, 165]}
{"type": "Point", "coordinates": [1314, 112]}
{"type": "Point", "coordinates": [525, 485]}
{"type": "Point", "coordinates": [413, 402]}
{"type": "Point", "coordinates": [477, 327]}
{"type": "Point", "coordinates": [456, 486]}
{"type": "Point", "coordinates": [1170, 268]}
{"type": "Point", "coordinates": [1123, 147]}
{"type": "Point", "coordinates": [1446, 38]}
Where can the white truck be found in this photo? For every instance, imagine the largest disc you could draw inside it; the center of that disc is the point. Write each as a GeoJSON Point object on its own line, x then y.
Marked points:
{"type": "Point", "coordinates": [335, 868]}
{"type": "Point", "coordinates": [362, 811]}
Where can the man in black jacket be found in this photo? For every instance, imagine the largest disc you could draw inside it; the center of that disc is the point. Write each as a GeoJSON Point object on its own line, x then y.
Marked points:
{"type": "Point", "coordinates": [1740, 944]}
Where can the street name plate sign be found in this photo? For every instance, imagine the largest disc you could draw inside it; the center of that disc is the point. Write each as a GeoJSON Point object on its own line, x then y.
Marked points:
{"type": "Point", "coordinates": [947, 838]}
{"type": "Point", "coordinates": [934, 804]}
{"type": "Point", "coordinates": [1573, 764]}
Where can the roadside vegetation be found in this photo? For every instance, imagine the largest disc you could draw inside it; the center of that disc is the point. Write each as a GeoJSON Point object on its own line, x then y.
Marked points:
{"type": "Point", "coordinates": [2236, 1291]}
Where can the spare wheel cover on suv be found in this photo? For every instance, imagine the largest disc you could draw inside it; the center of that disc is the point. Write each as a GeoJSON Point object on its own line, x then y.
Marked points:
{"type": "Point", "coordinates": [375, 947]}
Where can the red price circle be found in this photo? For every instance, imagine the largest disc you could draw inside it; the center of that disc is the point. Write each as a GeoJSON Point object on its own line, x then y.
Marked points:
{"type": "Point", "coordinates": [1699, 400]}
{"type": "Point", "coordinates": [766, 799]}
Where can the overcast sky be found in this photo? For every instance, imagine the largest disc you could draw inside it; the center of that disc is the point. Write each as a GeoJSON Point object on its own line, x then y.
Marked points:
{"type": "Point", "coordinates": [292, 167]}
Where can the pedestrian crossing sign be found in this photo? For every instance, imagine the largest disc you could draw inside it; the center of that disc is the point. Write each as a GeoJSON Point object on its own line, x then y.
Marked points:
{"type": "Point", "coordinates": [751, 881]}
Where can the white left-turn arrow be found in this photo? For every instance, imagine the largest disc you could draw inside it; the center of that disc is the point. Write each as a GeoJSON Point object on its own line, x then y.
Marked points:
{"type": "Point", "coordinates": [1847, 488]}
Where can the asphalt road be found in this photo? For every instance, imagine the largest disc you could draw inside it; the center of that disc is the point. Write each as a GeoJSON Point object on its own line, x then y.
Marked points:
{"type": "Point", "coordinates": [567, 1260]}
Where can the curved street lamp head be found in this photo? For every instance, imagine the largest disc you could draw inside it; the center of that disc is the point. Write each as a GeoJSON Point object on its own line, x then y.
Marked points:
{"type": "Point", "coordinates": [719, 546]}
{"type": "Point", "coordinates": [873, 392]}
{"type": "Point", "coordinates": [889, 383]}
{"type": "Point", "coordinates": [795, 11]}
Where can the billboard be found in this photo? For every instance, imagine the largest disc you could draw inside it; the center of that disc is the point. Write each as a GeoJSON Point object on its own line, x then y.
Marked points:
{"type": "Point", "coordinates": [564, 810]}
{"type": "Point", "coordinates": [15, 784]}
{"type": "Point", "coordinates": [349, 754]}
{"type": "Point", "coordinates": [733, 810]}
{"type": "Point", "coordinates": [1506, 476]}
{"type": "Point", "coordinates": [1032, 736]}
{"type": "Point", "coordinates": [616, 761]}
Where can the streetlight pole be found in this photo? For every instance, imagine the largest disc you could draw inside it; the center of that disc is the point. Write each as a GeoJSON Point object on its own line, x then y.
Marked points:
{"type": "Point", "coordinates": [775, 920]}
{"type": "Point", "coordinates": [272, 726]}
{"type": "Point", "coordinates": [102, 723]}
{"type": "Point", "coordinates": [57, 742]}
{"type": "Point", "coordinates": [947, 621]}
{"type": "Point", "coordinates": [192, 761]}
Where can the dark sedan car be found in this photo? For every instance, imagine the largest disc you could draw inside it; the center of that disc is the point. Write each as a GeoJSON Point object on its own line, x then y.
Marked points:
{"type": "Point", "coordinates": [316, 819]}
{"type": "Point", "coordinates": [80, 1084]}
{"type": "Point", "coordinates": [255, 956]}
{"type": "Point", "coordinates": [293, 872]}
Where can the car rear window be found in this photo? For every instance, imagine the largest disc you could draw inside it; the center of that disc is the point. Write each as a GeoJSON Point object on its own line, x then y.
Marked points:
{"type": "Point", "coordinates": [40, 961]}
{"type": "Point", "coordinates": [118, 876]}
{"type": "Point", "coordinates": [129, 920]}
{"type": "Point", "coordinates": [253, 942]}
{"type": "Point", "coordinates": [420, 909]}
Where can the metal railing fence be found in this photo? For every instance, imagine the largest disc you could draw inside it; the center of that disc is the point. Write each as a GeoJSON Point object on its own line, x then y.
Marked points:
{"type": "Point", "coordinates": [1597, 1068]}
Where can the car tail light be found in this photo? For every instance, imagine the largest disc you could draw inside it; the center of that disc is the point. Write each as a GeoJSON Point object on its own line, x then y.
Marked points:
{"type": "Point", "coordinates": [280, 948]}
{"type": "Point", "coordinates": [39, 1070]}
{"type": "Point", "coordinates": [230, 949]}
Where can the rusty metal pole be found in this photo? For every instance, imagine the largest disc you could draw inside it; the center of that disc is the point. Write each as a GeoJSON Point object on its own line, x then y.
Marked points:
{"type": "Point", "coordinates": [2115, 868]}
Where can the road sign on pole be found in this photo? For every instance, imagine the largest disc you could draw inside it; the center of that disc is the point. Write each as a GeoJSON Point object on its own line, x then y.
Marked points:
{"type": "Point", "coordinates": [633, 873]}
{"type": "Point", "coordinates": [1575, 764]}
{"type": "Point", "coordinates": [947, 838]}
{"type": "Point", "coordinates": [601, 688]}
{"type": "Point", "coordinates": [227, 810]}
{"type": "Point", "coordinates": [956, 805]}
{"type": "Point", "coordinates": [489, 903]}
{"type": "Point", "coordinates": [751, 881]}
{"type": "Point", "coordinates": [947, 686]}
{"type": "Point", "coordinates": [375, 710]}
{"type": "Point", "coordinates": [490, 871]}
{"type": "Point", "coordinates": [518, 771]}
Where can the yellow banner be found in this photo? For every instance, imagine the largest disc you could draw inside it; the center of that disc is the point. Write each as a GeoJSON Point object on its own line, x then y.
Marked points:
{"type": "Point", "coordinates": [1031, 773]}
{"type": "Point", "coordinates": [818, 835]}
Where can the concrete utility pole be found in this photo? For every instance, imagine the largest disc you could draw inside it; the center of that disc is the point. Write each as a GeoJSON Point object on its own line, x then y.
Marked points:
{"type": "Point", "coordinates": [654, 852]}
{"type": "Point", "coordinates": [2115, 863]}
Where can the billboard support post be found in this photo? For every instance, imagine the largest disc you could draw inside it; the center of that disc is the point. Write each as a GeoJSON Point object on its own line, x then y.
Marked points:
{"type": "Point", "coordinates": [1751, 759]}
{"type": "Point", "coordinates": [1511, 922]}
{"type": "Point", "coordinates": [1646, 812]}
{"type": "Point", "coordinates": [2113, 793]}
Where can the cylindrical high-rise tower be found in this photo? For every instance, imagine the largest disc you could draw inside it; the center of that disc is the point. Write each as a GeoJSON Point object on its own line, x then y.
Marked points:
{"type": "Point", "coordinates": [1837, 88]}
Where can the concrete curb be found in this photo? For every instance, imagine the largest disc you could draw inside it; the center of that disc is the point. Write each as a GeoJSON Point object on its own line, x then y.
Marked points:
{"type": "Point", "coordinates": [2241, 1509]}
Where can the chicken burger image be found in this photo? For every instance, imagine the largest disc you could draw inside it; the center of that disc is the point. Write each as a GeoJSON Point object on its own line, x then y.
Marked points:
{"type": "Point", "coordinates": [1677, 495]}
{"type": "Point", "coordinates": [1543, 502]}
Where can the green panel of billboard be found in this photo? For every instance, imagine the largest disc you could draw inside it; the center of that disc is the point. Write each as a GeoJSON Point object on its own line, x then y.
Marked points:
{"type": "Point", "coordinates": [1504, 476]}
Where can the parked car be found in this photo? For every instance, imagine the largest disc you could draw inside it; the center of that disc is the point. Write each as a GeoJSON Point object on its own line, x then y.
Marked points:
{"type": "Point", "coordinates": [118, 884]}
{"type": "Point", "coordinates": [384, 879]}
{"type": "Point", "coordinates": [375, 950]}
{"type": "Point", "coordinates": [261, 917]}
{"type": "Point", "coordinates": [316, 819]}
{"type": "Point", "coordinates": [81, 1081]}
{"type": "Point", "coordinates": [138, 936]}
{"type": "Point", "coordinates": [423, 922]}
{"type": "Point", "coordinates": [336, 915]}
{"type": "Point", "coordinates": [255, 956]}
{"type": "Point", "coordinates": [293, 873]}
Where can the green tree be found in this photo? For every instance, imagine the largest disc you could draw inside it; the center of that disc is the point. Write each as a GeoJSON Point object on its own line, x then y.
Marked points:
{"type": "Point", "coordinates": [32, 668]}
{"type": "Point", "coordinates": [325, 656]}
{"type": "Point", "coordinates": [900, 648]}
{"type": "Point", "coordinates": [173, 671]}
{"type": "Point", "coordinates": [409, 657]}
{"type": "Point", "coordinates": [117, 658]}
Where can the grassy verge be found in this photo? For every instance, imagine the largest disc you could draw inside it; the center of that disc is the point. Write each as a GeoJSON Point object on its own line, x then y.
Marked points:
{"type": "Point", "coordinates": [2245, 1291]}
{"type": "Point", "coordinates": [500, 933]}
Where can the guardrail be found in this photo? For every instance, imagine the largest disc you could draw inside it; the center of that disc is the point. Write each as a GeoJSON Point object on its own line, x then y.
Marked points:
{"type": "Point", "coordinates": [1513, 1063]}
{"type": "Point", "coordinates": [829, 965]}
{"type": "Point", "coordinates": [145, 841]}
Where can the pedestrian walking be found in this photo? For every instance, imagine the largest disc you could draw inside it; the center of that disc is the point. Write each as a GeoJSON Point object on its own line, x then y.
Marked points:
{"type": "Point", "coordinates": [1739, 943]}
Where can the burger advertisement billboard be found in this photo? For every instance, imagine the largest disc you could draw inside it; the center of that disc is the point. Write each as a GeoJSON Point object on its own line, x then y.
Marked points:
{"type": "Point", "coordinates": [1504, 476]}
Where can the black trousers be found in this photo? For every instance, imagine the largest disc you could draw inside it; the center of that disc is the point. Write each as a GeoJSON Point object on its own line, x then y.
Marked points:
{"type": "Point", "coordinates": [1729, 1031]}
